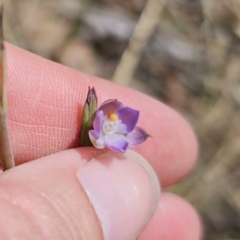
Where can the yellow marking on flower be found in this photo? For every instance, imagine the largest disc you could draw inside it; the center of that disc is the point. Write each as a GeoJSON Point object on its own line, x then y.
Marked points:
{"type": "Point", "coordinates": [113, 117]}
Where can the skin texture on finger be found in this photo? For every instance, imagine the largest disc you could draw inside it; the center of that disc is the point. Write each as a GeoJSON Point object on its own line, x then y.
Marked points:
{"type": "Point", "coordinates": [44, 200]}
{"type": "Point", "coordinates": [45, 104]}
{"type": "Point", "coordinates": [174, 219]}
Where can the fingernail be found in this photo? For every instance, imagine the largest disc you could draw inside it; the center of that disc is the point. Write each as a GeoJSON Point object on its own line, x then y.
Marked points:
{"type": "Point", "coordinates": [124, 191]}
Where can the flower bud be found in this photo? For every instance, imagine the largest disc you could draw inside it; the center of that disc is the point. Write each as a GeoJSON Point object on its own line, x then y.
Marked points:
{"type": "Point", "coordinates": [89, 112]}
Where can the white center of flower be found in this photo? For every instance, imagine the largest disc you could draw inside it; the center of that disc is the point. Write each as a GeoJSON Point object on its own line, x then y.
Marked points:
{"type": "Point", "coordinates": [110, 124]}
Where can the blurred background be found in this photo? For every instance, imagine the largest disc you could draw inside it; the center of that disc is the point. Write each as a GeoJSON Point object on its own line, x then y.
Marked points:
{"type": "Point", "coordinates": [185, 53]}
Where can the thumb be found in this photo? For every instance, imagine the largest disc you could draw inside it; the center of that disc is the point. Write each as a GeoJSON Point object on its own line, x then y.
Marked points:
{"type": "Point", "coordinates": [63, 196]}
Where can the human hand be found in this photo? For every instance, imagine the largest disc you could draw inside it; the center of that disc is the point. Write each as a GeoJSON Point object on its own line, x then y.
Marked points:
{"type": "Point", "coordinates": [43, 199]}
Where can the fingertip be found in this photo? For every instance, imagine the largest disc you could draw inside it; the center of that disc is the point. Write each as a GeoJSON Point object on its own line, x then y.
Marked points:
{"type": "Point", "coordinates": [121, 187]}
{"type": "Point", "coordinates": [65, 195]}
{"type": "Point", "coordinates": [45, 115]}
{"type": "Point", "coordinates": [174, 219]}
{"type": "Point", "coordinates": [173, 148]}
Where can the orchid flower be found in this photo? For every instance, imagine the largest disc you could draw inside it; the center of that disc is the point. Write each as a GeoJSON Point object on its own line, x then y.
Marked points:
{"type": "Point", "coordinates": [114, 127]}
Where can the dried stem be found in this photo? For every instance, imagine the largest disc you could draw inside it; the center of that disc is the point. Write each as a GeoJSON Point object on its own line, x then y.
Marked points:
{"type": "Point", "coordinates": [142, 32]}
{"type": "Point", "coordinates": [6, 155]}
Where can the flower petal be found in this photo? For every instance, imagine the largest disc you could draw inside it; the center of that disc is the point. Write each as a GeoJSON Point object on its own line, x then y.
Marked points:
{"type": "Point", "coordinates": [128, 117]}
{"type": "Point", "coordinates": [110, 106]}
{"type": "Point", "coordinates": [98, 120]}
{"type": "Point", "coordinates": [137, 136]}
{"type": "Point", "coordinates": [116, 142]}
{"type": "Point", "coordinates": [97, 141]}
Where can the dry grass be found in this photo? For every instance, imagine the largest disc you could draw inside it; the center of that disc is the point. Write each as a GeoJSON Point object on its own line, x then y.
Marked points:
{"type": "Point", "coordinates": [190, 59]}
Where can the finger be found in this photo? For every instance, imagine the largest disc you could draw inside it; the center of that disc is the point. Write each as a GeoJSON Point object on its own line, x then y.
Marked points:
{"type": "Point", "coordinates": [62, 196]}
{"type": "Point", "coordinates": [45, 105]}
{"type": "Point", "coordinates": [174, 219]}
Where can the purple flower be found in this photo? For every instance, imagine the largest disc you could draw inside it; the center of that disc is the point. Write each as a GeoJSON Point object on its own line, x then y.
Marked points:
{"type": "Point", "coordinates": [115, 127]}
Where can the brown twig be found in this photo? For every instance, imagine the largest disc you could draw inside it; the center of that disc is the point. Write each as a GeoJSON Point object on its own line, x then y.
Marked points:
{"type": "Point", "coordinates": [6, 155]}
